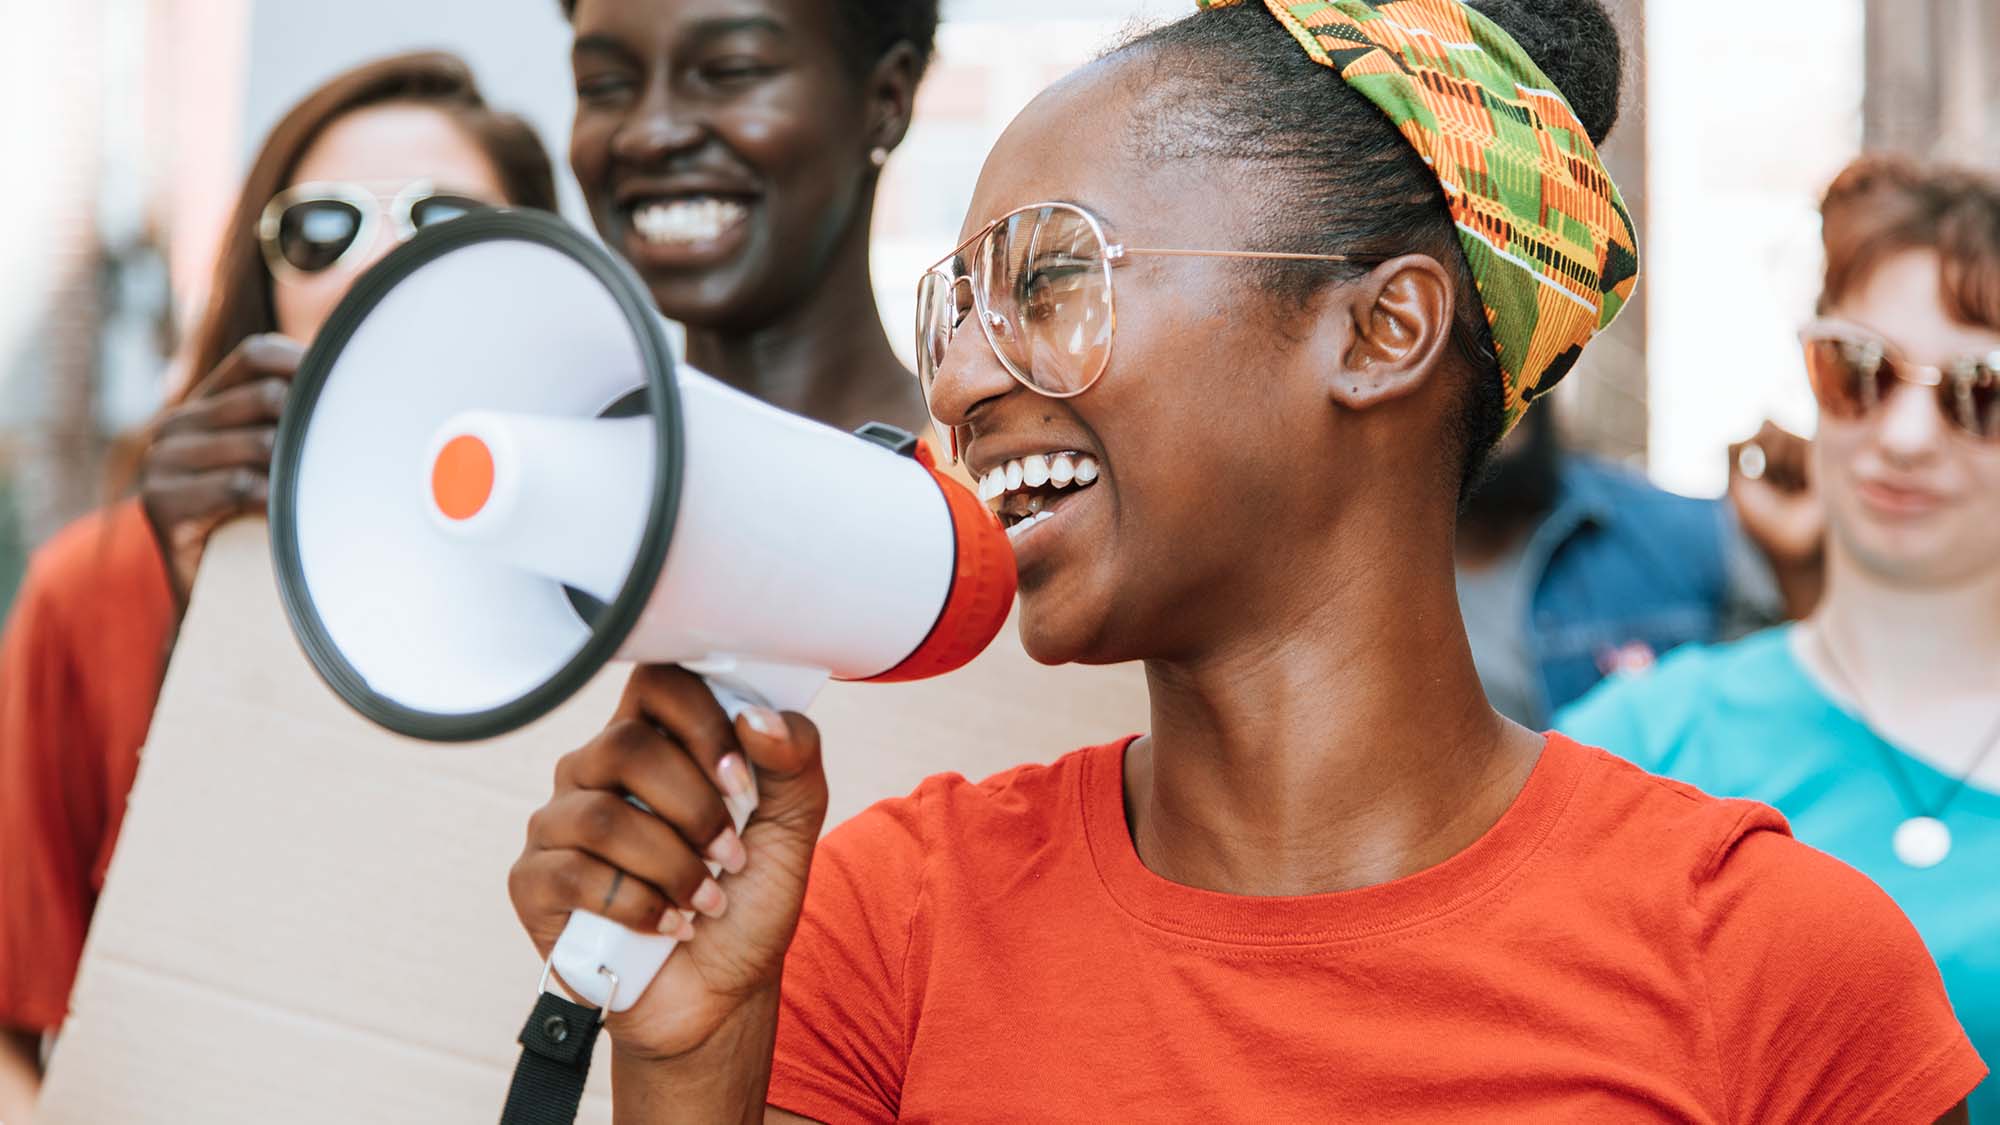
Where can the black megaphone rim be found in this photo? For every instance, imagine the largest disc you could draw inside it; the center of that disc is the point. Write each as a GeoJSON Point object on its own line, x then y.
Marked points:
{"type": "Point", "coordinates": [615, 623]}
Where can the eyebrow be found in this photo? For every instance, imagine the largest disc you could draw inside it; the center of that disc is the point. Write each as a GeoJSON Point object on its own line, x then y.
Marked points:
{"type": "Point", "coordinates": [715, 28]}
{"type": "Point", "coordinates": [598, 43]}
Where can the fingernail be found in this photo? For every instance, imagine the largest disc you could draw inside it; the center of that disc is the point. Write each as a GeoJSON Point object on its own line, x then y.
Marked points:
{"type": "Point", "coordinates": [727, 850]}
{"type": "Point", "coordinates": [735, 776]}
{"type": "Point", "coordinates": [765, 721]}
{"type": "Point", "coordinates": [709, 899]}
{"type": "Point", "coordinates": [739, 789]}
{"type": "Point", "coordinates": [677, 924]}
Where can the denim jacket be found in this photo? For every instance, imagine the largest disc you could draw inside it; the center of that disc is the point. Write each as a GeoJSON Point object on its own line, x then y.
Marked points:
{"type": "Point", "coordinates": [1622, 571]}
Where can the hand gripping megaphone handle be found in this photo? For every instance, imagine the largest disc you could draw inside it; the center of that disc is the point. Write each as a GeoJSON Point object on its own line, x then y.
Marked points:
{"type": "Point", "coordinates": [603, 962]}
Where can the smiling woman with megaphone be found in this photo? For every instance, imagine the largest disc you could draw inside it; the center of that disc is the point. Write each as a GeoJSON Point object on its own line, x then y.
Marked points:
{"type": "Point", "coordinates": [1331, 883]}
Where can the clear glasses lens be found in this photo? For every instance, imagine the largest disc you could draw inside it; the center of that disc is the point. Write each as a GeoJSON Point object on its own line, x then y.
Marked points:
{"type": "Point", "coordinates": [936, 319]}
{"type": "Point", "coordinates": [1040, 284]}
{"type": "Point", "coordinates": [1044, 293]}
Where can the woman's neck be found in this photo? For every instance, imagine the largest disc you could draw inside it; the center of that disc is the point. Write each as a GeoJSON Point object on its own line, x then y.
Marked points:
{"type": "Point", "coordinates": [825, 357]}
{"type": "Point", "coordinates": [1348, 745]}
{"type": "Point", "coordinates": [1921, 664]}
{"type": "Point", "coordinates": [1911, 642]}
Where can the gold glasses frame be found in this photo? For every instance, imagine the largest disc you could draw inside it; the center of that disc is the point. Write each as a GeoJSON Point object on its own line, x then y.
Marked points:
{"type": "Point", "coordinates": [1115, 254]}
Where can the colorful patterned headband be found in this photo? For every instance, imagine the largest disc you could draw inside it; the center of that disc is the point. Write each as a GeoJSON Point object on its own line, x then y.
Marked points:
{"type": "Point", "coordinates": [1550, 243]}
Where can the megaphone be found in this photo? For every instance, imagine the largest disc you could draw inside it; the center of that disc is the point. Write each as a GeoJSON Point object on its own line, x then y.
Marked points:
{"type": "Point", "coordinates": [491, 478]}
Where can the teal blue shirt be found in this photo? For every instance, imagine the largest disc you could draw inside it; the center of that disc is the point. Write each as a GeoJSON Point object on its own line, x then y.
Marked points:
{"type": "Point", "coordinates": [1745, 720]}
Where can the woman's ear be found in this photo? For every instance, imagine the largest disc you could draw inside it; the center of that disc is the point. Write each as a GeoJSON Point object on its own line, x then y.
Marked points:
{"type": "Point", "coordinates": [892, 94]}
{"type": "Point", "coordinates": [1388, 331]}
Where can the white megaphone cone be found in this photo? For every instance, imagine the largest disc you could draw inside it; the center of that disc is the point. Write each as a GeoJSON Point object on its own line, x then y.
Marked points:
{"type": "Point", "coordinates": [491, 479]}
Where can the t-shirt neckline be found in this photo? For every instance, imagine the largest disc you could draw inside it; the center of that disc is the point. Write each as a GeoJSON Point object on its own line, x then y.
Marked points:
{"type": "Point", "coordinates": [1806, 682]}
{"type": "Point", "coordinates": [1491, 863]}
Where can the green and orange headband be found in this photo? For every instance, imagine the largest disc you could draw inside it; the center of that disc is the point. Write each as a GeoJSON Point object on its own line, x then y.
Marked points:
{"type": "Point", "coordinates": [1551, 245]}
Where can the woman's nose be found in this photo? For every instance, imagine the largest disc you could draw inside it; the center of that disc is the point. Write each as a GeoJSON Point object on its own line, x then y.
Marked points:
{"type": "Point", "coordinates": [1912, 426]}
{"type": "Point", "coordinates": [386, 239]}
{"type": "Point", "coordinates": [659, 126]}
{"type": "Point", "coordinates": [969, 376]}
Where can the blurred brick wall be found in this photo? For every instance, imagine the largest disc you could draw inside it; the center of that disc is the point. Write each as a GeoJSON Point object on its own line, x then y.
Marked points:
{"type": "Point", "coordinates": [1933, 82]}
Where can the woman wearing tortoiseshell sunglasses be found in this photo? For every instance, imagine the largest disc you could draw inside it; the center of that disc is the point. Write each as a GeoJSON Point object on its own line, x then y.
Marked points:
{"type": "Point", "coordinates": [1874, 725]}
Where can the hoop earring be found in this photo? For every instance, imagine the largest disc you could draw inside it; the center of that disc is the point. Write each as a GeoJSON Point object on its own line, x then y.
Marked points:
{"type": "Point", "coordinates": [878, 156]}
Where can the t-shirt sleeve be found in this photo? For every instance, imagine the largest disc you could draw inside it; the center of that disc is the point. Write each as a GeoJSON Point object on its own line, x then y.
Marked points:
{"type": "Point", "coordinates": [1826, 1005]}
{"type": "Point", "coordinates": [847, 1007]}
{"type": "Point", "coordinates": [52, 813]}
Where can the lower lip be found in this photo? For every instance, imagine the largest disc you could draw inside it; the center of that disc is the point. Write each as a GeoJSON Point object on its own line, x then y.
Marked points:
{"type": "Point", "coordinates": [649, 255]}
{"type": "Point", "coordinates": [1899, 502]}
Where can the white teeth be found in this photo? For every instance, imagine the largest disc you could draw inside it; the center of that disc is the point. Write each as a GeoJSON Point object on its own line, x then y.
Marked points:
{"type": "Point", "coordinates": [1049, 472]}
{"type": "Point", "coordinates": [1034, 470]}
{"type": "Point", "coordinates": [1027, 522]}
{"type": "Point", "coordinates": [1061, 470]}
{"type": "Point", "coordinates": [687, 220]}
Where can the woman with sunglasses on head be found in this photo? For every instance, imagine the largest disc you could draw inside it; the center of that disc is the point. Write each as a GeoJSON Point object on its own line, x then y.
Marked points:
{"type": "Point", "coordinates": [352, 170]}
{"type": "Point", "coordinates": [1349, 242]}
{"type": "Point", "coordinates": [1874, 725]}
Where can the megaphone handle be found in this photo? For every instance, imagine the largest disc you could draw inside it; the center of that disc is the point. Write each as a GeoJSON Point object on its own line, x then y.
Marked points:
{"type": "Point", "coordinates": [610, 966]}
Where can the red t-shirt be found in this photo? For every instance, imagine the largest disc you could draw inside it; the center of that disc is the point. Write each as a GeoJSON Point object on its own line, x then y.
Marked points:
{"type": "Point", "coordinates": [1618, 947]}
{"type": "Point", "coordinates": [80, 667]}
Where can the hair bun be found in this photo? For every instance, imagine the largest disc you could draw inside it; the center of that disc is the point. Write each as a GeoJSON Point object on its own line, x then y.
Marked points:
{"type": "Point", "coordinates": [1576, 45]}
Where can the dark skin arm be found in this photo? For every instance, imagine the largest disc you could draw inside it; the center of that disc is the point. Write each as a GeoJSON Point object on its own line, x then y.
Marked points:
{"type": "Point", "coordinates": [208, 460]}
{"type": "Point", "coordinates": [1959, 1115]}
{"type": "Point", "coordinates": [697, 1046]}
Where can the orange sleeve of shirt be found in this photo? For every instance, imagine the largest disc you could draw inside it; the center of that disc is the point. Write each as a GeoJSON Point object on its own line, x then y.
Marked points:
{"type": "Point", "coordinates": [79, 668]}
{"type": "Point", "coordinates": [1826, 1005]}
{"type": "Point", "coordinates": [847, 1006]}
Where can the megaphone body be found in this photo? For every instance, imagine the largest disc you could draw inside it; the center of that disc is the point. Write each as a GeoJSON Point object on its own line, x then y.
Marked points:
{"type": "Point", "coordinates": [492, 478]}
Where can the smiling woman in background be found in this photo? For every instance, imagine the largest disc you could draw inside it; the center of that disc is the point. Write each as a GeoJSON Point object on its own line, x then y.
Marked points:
{"type": "Point", "coordinates": [730, 150]}
{"type": "Point", "coordinates": [1874, 726]}
{"type": "Point", "coordinates": [355, 168]}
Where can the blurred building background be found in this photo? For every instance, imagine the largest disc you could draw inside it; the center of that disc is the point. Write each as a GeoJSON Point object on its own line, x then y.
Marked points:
{"type": "Point", "coordinates": [126, 124]}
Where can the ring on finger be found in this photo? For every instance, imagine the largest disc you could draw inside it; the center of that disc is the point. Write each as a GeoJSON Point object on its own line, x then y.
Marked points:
{"type": "Point", "coordinates": [1752, 462]}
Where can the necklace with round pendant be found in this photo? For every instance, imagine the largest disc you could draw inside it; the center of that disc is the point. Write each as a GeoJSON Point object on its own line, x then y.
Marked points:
{"type": "Point", "coordinates": [1922, 842]}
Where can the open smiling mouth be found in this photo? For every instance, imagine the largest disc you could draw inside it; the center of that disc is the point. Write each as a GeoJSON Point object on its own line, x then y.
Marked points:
{"type": "Point", "coordinates": [686, 220]}
{"type": "Point", "coordinates": [1027, 490]}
